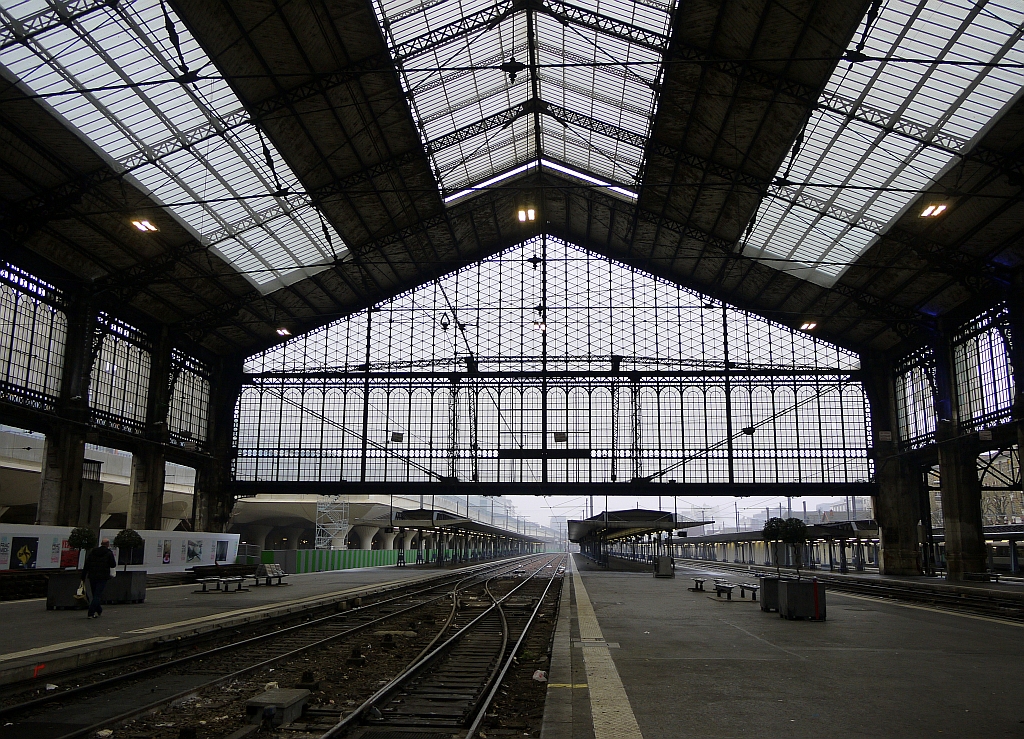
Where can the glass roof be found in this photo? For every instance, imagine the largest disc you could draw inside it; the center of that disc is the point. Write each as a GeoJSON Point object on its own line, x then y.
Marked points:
{"type": "Point", "coordinates": [182, 143]}
{"type": "Point", "coordinates": [477, 124]}
{"type": "Point", "coordinates": [882, 125]}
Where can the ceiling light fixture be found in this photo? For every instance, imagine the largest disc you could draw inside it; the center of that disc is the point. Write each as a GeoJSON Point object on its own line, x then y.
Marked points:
{"type": "Point", "coordinates": [283, 332]}
{"type": "Point", "coordinates": [808, 325]}
{"type": "Point", "coordinates": [934, 209]}
{"type": "Point", "coordinates": [527, 213]}
{"type": "Point", "coordinates": [144, 226]}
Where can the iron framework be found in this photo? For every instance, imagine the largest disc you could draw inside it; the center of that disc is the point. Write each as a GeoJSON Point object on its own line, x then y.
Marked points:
{"type": "Point", "coordinates": [984, 379]}
{"type": "Point", "coordinates": [546, 363]}
{"type": "Point", "coordinates": [189, 400]}
{"type": "Point", "coordinates": [119, 384]}
{"type": "Point", "coordinates": [915, 398]}
{"type": "Point", "coordinates": [33, 331]}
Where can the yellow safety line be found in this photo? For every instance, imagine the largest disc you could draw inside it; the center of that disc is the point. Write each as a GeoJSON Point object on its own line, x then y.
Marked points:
{"type": "Point", "coordinates": [54, 648]}
{"type": "Point", "coordinates": [609, 705]}
{"type": "Point", "coordinates": [567, 685]}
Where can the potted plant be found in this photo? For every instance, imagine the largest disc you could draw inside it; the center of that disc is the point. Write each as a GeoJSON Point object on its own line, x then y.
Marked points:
{"type": "Point", "coordinates": [127, 587]}
{"type": "Point", "coordinates": [62, 585]}
{"type": "Point", "coordinates": [772, 535]}
{"type": "Point", "coordinates": [799, 598]}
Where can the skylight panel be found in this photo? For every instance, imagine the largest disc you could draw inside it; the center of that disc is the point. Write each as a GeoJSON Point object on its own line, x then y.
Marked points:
{"type": "Point", "coordinates": [477, 123]}
{"type": "Point", "coordinates": [220, 184]}
{"type": "Point", "coordinates": [891, 126]}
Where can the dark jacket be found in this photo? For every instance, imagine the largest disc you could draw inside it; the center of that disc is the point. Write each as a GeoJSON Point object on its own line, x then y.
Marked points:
{"type": "Point", "coordinates": [98, 563]}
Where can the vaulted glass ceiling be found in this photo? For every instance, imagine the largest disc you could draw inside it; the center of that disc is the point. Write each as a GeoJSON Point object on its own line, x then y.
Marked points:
{"type": "Point", "coordinates": [192, 146]}
{"type": "Point", "coordinates": [582, 108]}
{"type": "Point", "coordinates": [890, 129]}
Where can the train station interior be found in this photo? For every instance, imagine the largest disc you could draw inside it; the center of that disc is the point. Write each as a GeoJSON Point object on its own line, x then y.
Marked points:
{"type": "Point", "coordinates": [679, 342]}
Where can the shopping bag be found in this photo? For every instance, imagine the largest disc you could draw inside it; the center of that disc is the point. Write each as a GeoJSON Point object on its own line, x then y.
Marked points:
{"type": "Point", "coordinates": [80, 596]}
{"type": "Point", "coordinates": [113, 572]}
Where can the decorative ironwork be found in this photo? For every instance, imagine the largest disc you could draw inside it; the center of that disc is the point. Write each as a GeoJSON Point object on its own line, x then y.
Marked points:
{"type": "Point", "coordinates": [189, 400]}
{"type": "Point", "coordinates": [984, 379]}
{"type": "Point", "coordinates": [33, 332]}
{"type": "Point", "coordinates": [485, 372]}
{"type": "Point", "coordinates": [915, 398]}
{"type": "Point", "coordinates": [119, 383]}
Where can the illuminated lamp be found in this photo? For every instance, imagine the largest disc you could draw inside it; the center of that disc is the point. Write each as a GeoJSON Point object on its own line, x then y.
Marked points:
{"type": "Point", "coordinates": [283, 332]}
{"type": "Point", "coordinates": [808, 325]}
{"type": "Point", "coordinates": [527, 213]}
{"type": "Point", "coordinates": [144, 225]}
{"type": "Point", "coordinates": [933, 210]}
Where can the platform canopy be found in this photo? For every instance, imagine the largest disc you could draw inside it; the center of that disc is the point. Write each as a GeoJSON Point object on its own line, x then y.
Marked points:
{"type": "Point", "coordinates": [429, 520]}
{"type": "Point", "coordinates": [612, 525]}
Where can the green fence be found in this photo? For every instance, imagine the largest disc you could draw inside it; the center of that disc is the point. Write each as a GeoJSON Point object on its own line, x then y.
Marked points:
{"type": "Point", "coordinates": [321, 560]}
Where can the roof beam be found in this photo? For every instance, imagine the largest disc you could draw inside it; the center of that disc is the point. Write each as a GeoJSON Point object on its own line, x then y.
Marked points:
{"type": "Point", "coordinates": [13, 32]}
{"type": "Point", "coordinates": [481, 20]}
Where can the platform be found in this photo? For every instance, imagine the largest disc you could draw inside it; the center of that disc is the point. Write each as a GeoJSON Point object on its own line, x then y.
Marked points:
{"type": "Point", "coordinates": [32, 636]}
{"type": "Point", "coordinates": [693, 665]}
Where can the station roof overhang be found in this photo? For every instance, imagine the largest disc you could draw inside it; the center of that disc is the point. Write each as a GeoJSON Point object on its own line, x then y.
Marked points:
{"type": "Point", "coordinates": [434, 520]}
{"type": "Point", "coordinates": [865, 528]}
{"type": "Point", "coordinates": [614, 525]}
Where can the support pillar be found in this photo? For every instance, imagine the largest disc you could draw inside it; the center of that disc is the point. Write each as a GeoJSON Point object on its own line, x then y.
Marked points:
{"type": "Point", "coordinates": [961, 503]}
{"type": "Point", "coordinates": [256, 535]}
{"type": "Point", "coordinates": [387, 540]}
{"type": "Point", "coordinates": [365, 534]}
{"type": "Point", "coordinates": [212, 501]}
{"type": "Point", "coordinates": [897, 503]}
{"type": "Point", "coordinates": [958, 474]}
{"type": "Point", "coordinates": [60, 485]}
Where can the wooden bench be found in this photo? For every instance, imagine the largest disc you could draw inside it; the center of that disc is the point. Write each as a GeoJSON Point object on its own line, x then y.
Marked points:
{"type": "Point", "coordinates": [745, 586]}
{"type": "Point", "coordinates": [724, 587]}
{"type": "Point", "coordinates": [698, 584]}
{"type": "Point", "coordinates": [267, 572]}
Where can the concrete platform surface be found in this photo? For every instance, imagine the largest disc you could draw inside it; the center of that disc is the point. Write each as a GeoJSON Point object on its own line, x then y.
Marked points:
{"type": "Point", "coordinates": [694, 665]}
{"type": "Point", "coordinates": [32, 636]}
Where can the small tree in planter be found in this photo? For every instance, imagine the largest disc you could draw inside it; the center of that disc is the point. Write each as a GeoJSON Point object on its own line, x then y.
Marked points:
{"type": "Point", "coordinates": [130, 540]}
{"type": "Point", "coordinates": [772, 533]}
{"type": "Point", "coordinates": [82, 538]}
{"type": "Point", "coordinates": [794, 531]}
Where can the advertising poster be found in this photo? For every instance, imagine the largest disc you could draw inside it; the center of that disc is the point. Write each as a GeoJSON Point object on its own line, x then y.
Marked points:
{"type": "Point", "coordinates": [23, 552]}
{"type": "Point", "coordinates": [183, 550]}
{"type": "Point", "coordinates": [55, 551]}
{"type": "Point", "coordinates": [68, 556]}
{"type": "Point", "coordinates": [5, 552]}
{"type": "Point", "coordinates": [222, 551]}
{"type": "Point", "coordinates": [167, 552]}
{"type": "Point", "coordinates": [195, 551]}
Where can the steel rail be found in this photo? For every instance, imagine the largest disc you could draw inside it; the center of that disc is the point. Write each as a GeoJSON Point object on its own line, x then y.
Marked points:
{"type": "Point", "coordinates": [387, 691]}
{"type": "Point", "coordinates": [477, 571]}
{"type": "Point", "coordinates": [481, 711]}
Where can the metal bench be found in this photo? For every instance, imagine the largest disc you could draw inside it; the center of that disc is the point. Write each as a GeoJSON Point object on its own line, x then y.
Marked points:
{"type": "Point", "coordinates": [745, 586]}
{"type": "Point", "coordinates": [698, 584]}
{"type": "Point", "coordinates": [267, 572]}
{"type": "Point", "coordinates": [724, 587]}
{"type": "Point", "coordinates": [223, 584]}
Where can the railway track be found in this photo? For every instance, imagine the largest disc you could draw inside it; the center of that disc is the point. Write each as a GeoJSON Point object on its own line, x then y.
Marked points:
{"type": "Point", "coordinates": [978, 602]}
{"type": "Point", "coordinates": [447, 689]}
{"type": "Point", "coordinates": [86, 708]}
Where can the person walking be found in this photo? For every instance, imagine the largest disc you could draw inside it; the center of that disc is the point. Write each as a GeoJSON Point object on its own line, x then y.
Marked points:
{"type": "Point", "coordinates": [98, 564]}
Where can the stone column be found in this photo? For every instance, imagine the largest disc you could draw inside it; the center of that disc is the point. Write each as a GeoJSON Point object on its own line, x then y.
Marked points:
{"type": "Point", "coordinates": [1016, 303]}
{"type": "Point", "coordinates": [213, 497]}
{"type": "Point", "coordinates": [387, 541]}
{"type": "Point", "coordinates": [897, 503]}
{"type": "Point", "coordinates": [60, 485]}
{"type": "Point", "coordinates": [958, 475]}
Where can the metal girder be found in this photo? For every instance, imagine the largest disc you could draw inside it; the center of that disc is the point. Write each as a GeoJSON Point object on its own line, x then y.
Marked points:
{"type": "Point", "coordinates": [187, 138]}
{"type": "Point", "coordinates": [635, 489]}
{"type": "Point", "coordinates": [568, 13]}
{"type": "Point", "coordinates": [465, 25]}
{"type": "Point", "coordinates": [341, 186]}
{"type": "Point", "coordinates": [822, 207]}
{"type": "Point", "coordinates": [563, 12]}
{"type": "Point", "coordinates": [527, 107]}
{"type": "Point", "coordinates": [126, 284]}
{"type": "Point", "coordinates": [745, 72]}
{"type": "Point", "coordinates": [59, 14]}
{"type": "Point", "coordinates": [618, 377]}
{"type": "Point", "coordinates": [256, 220]}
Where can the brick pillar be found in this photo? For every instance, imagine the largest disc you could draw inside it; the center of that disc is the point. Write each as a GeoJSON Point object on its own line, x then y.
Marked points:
{"type": "Point", "coordinates": [897, 503]}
